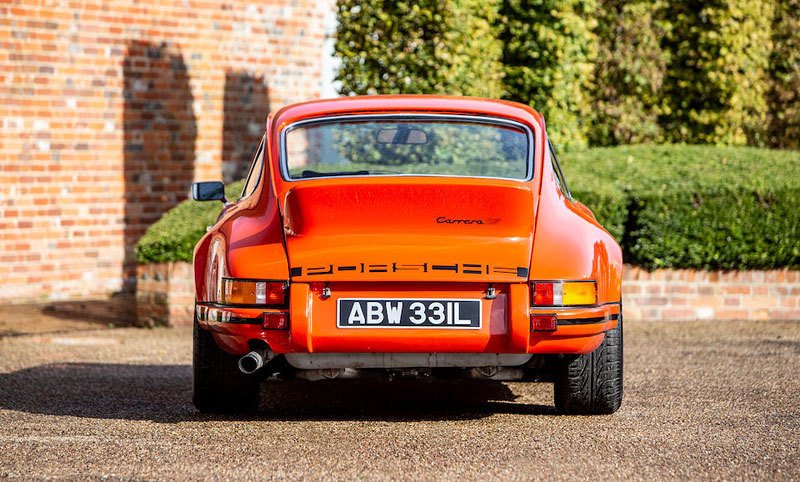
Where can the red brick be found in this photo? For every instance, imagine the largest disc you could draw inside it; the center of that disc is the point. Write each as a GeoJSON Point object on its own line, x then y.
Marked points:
{"type": "Point", "coordinates": [732, 301]}
{"type": "Point", "coordinates": [790, 301]}
{"type": "Point", "coordinates": [678, 314]}
{"type": "Point", "coordinates": [630, 288]}
{"type": "Point", "coordinates": [679, 288]}
{"type": "Point", "coordinates": [732, 314]}
{"type": "Point", "coordinates": [784, 314]}
{"type": "Point", "coordinates": [705, 290]}
{"type": "Point", "coordinates": [655, 301]}
{"type": "Point", "coordinates": [653, 290]}
{"type": "Point", "coordinates": [736, 290]}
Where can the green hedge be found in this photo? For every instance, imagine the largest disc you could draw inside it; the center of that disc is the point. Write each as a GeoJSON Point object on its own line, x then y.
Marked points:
{"type": "Point", "coordinates": [695, 206]}
{"type": "Point", "coordinates": [425, 47]}
{"type": "Point", "coordinates": [670, 206]}
{"type": "Point", "coordinates": [715, 228]}
{"type": "Point", "coordinates": [174, 236]}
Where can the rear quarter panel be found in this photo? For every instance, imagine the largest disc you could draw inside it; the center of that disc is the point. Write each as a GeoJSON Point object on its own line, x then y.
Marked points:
{"type": "Point", "coordinates": [570, 244]}
{"type": "Point", "coordinates": [246, 242]}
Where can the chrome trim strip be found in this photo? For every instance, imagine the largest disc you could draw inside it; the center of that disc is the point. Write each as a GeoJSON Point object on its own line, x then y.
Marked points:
{"type": "Point", "coordinates": [216, 313]}
{"type": "Point", "coordinates": [407, 115]}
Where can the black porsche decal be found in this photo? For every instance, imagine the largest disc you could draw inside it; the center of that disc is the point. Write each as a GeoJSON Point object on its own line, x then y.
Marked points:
{"type": "Point", "coordinates": [462, 268]}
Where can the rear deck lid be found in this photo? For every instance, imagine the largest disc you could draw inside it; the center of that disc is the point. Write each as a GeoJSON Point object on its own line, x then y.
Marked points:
{"type": "Point", "coordinates": [409, 229]}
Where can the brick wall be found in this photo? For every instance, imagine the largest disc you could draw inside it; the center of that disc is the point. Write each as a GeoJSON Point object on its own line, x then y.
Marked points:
{"type": "Point", "coordinates": [705, 295]}
{"type": "Point", "coordinates": [166, 295]}
{"type": "Point", "coordinates": [109, 110]}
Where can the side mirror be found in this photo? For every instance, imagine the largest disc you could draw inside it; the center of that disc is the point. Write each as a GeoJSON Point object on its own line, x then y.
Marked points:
{"type": "Point", "coordinates": [209, 191]}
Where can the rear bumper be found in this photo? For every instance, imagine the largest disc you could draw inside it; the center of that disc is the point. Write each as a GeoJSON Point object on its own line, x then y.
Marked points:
{"type": "Point", "coordinates": [312, 324]}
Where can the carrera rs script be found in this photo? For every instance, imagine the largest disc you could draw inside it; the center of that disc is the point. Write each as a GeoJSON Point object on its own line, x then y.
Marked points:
{"type": "Point", "coordinates": [446, 220]}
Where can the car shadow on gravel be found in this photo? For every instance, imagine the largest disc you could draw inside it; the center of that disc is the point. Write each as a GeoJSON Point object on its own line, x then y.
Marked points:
{"type": "Point", "coordinates": [162, 393]}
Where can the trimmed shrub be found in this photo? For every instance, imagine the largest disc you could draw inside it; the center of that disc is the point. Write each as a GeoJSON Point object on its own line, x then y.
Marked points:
{"type": "Point", "coordinates": [174, 236]}
{"type": "Point", "coordinates": [660, 168]}
{"type": "Point", "coordinates": [784, 94]}
{"type": "Point", "coordinates": [629, 73]}
{"type": "Point", "coordinates": [696, 206]}
{"type": "Point", "coordinates": [548, 55]}
{"type": "Point", "coordinates": [716, 228]}
{"type": "Point", "coordinates": [715, 92]}
{"type": "Point", "coordinates": [426, 47]}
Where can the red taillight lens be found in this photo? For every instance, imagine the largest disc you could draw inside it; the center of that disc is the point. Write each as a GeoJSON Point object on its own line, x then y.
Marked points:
{"type": "Point", "coordinates": [544, 322]}
{"type": "Point", "coordinates": [543, 294]}
{"type": "Point", "coordinates": [274, 292]}
{"type": "Point", "coordinates": [275, 321]}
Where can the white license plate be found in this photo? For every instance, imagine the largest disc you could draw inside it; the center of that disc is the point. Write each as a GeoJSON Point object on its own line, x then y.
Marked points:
{"type": "Point", "coordinates": [408, 313]}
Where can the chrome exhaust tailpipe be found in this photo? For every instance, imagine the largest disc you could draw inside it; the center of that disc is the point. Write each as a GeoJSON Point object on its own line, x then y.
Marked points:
{"type": "Point", "coordinates": [254, 361]}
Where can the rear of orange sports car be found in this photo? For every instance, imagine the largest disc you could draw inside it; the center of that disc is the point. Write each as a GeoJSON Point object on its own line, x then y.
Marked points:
{"type": "Point", "coordinates": [405, 236]}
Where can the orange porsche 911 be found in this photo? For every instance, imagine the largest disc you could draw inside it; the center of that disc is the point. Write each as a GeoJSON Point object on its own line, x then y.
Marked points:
{"type": "Point", "coordinates": [406, 236]}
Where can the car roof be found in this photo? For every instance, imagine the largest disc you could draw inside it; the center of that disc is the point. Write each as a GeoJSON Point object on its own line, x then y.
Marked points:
{"type": "Point", "coordinates": [407, 103]}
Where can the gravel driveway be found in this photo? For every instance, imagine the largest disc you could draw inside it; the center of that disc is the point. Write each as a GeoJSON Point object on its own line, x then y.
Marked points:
{"type": "Point", "coordinates": [703, 400]}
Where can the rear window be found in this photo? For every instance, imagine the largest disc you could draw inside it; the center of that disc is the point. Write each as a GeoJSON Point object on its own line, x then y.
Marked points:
{"type": "Point", "coordinates": [406, 146]}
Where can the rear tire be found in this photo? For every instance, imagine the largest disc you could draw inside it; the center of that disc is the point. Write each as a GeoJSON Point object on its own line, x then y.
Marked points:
{"type": "Point", "coordinates": [591, 384]}
{"type": "Point", "coordinates": [219, 386]}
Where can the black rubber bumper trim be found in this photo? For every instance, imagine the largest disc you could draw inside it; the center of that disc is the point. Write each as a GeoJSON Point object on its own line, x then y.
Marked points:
{"type": "Point", "coordinates": [587, 321]}
{"type": "Point", "coordinates": [599, 305]}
